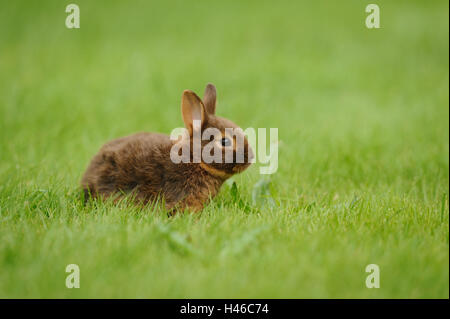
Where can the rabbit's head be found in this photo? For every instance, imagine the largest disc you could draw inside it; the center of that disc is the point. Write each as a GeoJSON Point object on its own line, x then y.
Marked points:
{"type": "Point", "coordinates": [224, 148]}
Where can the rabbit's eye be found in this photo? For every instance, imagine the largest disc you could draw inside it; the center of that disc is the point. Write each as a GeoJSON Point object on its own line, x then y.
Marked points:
{"type": "Point", "coordinates": [226, 141]}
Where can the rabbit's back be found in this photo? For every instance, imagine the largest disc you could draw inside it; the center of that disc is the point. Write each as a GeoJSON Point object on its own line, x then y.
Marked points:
{"type": "Point", "coordinates": [132, 163]}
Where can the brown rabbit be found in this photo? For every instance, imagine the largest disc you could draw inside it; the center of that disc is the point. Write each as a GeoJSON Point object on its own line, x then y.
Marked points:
{"type": "Point", "coordinates": [141, 164]}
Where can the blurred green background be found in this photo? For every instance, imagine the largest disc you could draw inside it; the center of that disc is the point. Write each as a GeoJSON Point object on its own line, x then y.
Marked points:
{"type": "Point", "coordinates": [363, 161]}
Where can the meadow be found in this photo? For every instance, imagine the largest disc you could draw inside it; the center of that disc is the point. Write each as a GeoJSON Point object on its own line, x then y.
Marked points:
{"type": "Point", "coordinates": [363, 127]}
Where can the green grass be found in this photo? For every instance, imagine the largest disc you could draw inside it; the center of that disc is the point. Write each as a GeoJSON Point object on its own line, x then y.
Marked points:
{"type": "Point", "coordinates": [363, 165]}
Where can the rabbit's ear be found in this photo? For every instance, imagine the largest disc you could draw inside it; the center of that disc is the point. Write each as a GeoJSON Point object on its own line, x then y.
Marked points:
{"type": "Point", "coordinates": [210, 98]}
{"type": "Point", "coordinates": [192, 109]}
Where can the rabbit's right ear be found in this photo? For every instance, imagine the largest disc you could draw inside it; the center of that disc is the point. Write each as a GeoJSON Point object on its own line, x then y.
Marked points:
{"type": "Point", "coordinates": [192, 109]}
{"type": "Point", "coordinates": [209, 98]}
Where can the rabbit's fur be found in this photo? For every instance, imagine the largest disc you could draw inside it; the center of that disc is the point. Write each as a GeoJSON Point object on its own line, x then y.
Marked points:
{"type": "Point", "coordinates": [140, 164]}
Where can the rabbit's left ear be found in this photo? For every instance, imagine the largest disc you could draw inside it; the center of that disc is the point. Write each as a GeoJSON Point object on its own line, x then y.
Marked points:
{"type": "Point", "coordinates": [192, 109]}
{"type": "Point", "coordinates": [209, 98]}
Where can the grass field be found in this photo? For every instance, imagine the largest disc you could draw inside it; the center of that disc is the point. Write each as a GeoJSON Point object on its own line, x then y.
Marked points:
{"type": "Point", "coordinates": [363, 161]}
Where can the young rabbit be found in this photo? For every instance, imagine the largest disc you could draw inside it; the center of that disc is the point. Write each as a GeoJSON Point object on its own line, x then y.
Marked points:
{"type": "Point", "coordinates": [141, 164]}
